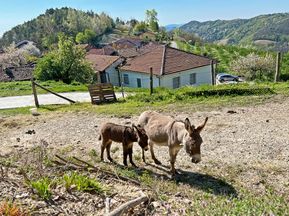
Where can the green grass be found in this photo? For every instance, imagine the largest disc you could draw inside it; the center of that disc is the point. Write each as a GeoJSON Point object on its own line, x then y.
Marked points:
{"type": "Point", "coordinates": [203, 97]}
{"type": "Point", "coordinates": [24, 88]}
{"type": "Point", "coordinates": [82, 183]}
{"type": "Point", "coordinates": [42, 187]}
{"type": "Point", "coordinates": [246, 203]}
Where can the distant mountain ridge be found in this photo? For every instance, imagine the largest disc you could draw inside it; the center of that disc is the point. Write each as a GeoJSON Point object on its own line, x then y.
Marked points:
{"type": "Point", "coordinates": [270, 27]}
{"type": "Point", "coordinates": [171, 27]}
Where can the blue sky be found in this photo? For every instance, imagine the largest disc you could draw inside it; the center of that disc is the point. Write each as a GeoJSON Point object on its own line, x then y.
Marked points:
{"type": "Point", "coordinates": [14, 12]}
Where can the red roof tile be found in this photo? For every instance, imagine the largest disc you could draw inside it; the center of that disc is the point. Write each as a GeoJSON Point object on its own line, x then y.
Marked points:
{"type": "Point", "coordinates": [107, 50]}
{"type": "Point", "coordinates": [101, 62]}
{"type": "Point", "coordinates": [165, 60]}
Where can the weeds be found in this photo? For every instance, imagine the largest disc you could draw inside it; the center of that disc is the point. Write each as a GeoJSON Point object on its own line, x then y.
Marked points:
{"type": "Point", "coordinates": [11, 209]}
{"type": "Point", "coordinates": [42, 187]}
{"type": "Point", "coordinates": [82, 183]}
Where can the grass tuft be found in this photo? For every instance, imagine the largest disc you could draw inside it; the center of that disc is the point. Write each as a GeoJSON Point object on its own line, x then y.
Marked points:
{"type": "Point", "coordinates": [82, 183]}
{"type": "Point", "coordinates": [42, 188]}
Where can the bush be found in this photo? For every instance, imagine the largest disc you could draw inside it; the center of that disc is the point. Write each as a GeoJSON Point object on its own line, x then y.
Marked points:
{"type": "Point", "coordinates": [187, 93]}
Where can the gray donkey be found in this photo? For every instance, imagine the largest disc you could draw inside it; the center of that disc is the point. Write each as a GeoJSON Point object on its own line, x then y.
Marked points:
{"type": "Point", "coordinates": [165, 131]}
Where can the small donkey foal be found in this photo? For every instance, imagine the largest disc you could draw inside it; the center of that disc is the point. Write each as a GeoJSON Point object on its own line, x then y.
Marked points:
{"type": "Point", "coordinates": [122, 134]}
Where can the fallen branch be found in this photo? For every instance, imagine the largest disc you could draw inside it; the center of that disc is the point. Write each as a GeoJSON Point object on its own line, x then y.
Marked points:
{"type": "Point", "coordinates": [128, 205]}
{"type": "Point", "coordinates": [90, 167]}
{"type": "Point", "coordinates": [108, 173]}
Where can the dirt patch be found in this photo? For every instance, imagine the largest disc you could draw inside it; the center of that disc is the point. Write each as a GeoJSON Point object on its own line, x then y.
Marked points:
{"type": "Point", "coordinates": [246, 146]}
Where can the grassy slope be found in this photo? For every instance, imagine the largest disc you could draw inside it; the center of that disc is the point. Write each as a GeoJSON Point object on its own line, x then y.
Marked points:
{"type": "Point", "coordinates": [24, 88]}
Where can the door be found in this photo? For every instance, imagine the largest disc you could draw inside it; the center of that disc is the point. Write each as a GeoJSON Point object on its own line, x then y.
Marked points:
{"type": "Point", "coordinates": [138, 80]}
{"type": "Point", "coordinates": [103, 78]}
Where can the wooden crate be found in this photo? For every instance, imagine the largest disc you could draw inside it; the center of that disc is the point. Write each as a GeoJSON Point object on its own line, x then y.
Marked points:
{"type": "Point", "coordinates": [102, 92]}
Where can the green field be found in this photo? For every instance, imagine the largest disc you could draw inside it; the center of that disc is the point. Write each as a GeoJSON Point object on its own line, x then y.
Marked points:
{"type": "Point", "coordinates": [206, 97]}
{"type": "Point", "coordinates": [25, 88]}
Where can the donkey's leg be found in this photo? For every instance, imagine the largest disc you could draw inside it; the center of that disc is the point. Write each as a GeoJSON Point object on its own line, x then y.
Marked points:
{"type": "Point", "coordinates": [103, 146]}
{"type": "Point", "coordinates": [130, 156]}
{"type": "Point", "coordinates": [143, 156]}
{"type": "Point", "coordinates": [125, 153]}
{"type": "Point", "coordinates": [108, 145]}
{"type": "Point", "coordinates": [153, 154]}
{"type": "Point", "coordinates": [173, 155]}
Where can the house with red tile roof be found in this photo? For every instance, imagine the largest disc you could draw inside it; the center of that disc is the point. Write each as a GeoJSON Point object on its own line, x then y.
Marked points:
{"type": "Point", "coordinates": [105, 67]}
{"type": "Point", "coordinates": [172, 68]}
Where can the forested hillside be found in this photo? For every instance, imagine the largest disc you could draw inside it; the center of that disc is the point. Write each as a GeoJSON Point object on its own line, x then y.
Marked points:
{"type": "Point", "coordinates": [271, 27]}
{"type": "Point", "coordinates": [44, 29]}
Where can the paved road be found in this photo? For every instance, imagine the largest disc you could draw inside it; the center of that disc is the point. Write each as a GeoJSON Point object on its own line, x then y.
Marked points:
{"type": "Point", "coordinates": [28, 100]}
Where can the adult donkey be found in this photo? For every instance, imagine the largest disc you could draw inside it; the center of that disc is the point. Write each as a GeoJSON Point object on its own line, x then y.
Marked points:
{"type": "Point", "coordinates": [165, 131]}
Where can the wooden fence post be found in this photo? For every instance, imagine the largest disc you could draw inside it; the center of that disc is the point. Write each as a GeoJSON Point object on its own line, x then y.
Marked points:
{"type": "Point", "coordinates": [277, 73]}
{"type": "Point", "coordinates": [151, 80]}
{"type": "Point", "coordinates": [34, 93]}
{"type": "Point", "coordinates": [213, 72]}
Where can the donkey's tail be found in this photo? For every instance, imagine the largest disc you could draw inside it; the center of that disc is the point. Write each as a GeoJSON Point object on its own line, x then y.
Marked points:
{"type": "Point", "coordinates": [99, 137]}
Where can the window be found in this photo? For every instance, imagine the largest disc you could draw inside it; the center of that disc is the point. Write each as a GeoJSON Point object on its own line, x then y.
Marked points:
{"type": "Point", "coordinates": [138, 80]}
{"type": "Point", "coordinates": [176, 82]}
{"type": "Point", "coordinates": [192, 78]}
{"type": "Point", "coordinates": [125, 79]}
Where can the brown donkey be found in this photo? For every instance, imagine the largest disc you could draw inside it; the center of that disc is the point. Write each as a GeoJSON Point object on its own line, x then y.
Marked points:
{"type": "Point", "coordinates": [122, 134]}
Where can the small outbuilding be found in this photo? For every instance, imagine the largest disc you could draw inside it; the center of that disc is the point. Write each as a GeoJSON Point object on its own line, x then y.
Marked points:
{"type": "Point", "coordinates": [105, 67]}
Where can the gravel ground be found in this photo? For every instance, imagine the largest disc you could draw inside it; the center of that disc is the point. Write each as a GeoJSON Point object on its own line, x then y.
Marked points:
{"type": "Point", "coordinates": [250, 141]}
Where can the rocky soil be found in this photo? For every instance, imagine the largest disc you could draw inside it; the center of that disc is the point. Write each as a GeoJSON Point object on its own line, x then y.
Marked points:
{"type": "Point", "coordinates": [247, 145]}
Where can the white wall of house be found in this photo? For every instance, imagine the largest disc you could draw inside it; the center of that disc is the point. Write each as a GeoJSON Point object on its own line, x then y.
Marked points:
{"type": "Point", "coordinates": [144, 77]}
{"type": "Point", "coordinates": [112, 74]}
{"type": "Point", "coordinates": [203, 76]}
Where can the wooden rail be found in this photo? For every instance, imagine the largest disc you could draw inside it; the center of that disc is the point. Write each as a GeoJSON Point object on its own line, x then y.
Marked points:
{"type": "Point", "coordinates": [52, 92]}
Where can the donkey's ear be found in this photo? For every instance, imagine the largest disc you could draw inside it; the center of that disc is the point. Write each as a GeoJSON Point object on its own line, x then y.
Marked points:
{"type": "Point", "coordinates": [188, 125]}
{"type": "Point", "coordinates": [201, 127]}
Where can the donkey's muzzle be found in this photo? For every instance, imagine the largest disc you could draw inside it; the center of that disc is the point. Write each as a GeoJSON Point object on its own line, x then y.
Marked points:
{"type": "Point", "coordinates": [196, 158]}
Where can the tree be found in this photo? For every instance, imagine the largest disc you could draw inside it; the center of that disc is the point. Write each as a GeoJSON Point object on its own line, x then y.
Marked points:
{"type": "Point", "coordinates": [88, 36]}
{"type": "Point", "coordinates": [152, 20]}
{"type": "Point", "coordinates": [140, 27]}
{"type": "Point", "coordinates": [18, 57]}
{"type": "Point", "coordinates": [191, 38]}
{"type": "Point", "coordinates": [254, 67]}
{"type": "Point", "coordinates": [66, 63]}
